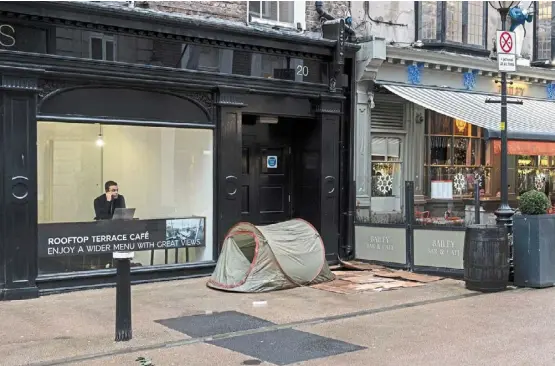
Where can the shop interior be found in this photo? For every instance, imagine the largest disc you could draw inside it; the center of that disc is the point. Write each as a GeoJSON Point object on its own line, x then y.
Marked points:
{"type": "Point", "coordinates": [162, 172]}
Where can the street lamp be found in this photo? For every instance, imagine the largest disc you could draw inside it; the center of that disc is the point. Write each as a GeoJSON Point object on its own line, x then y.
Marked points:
{"type": "Point", "coordinates": [504, 213]}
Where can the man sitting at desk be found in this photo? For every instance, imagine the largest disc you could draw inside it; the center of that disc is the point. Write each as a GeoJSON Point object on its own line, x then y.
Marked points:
{"type": "Point", "coordinates": [106, 204]}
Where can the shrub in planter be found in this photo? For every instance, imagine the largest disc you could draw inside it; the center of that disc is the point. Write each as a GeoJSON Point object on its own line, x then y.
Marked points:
{"type": "Point", "coordinates": [533, 245]}
{"type": "Point", "coordinates": [534, 203]}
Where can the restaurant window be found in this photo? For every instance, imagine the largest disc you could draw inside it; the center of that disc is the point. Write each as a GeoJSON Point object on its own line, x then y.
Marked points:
{"type": "Point", "coordinates": [452, 22]}
{"type": "Point", "coordinates": [386, 174]}
{"type": "Point", "coordinates": [163, 173]}
{"type": "Point", "coordinates": [535, 172]}
{"type": "Point", "coordinates": [543, 25]}
{"type": "Point", "coordinates": [455, 157]}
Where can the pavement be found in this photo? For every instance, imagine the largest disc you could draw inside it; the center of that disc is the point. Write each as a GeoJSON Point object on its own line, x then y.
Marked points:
{"type": "Point", "coordinates": [186, 323]}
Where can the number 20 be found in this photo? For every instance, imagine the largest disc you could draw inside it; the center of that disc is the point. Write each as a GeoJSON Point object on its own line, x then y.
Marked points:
{"type": "Point", "coordinates": [302, 70]}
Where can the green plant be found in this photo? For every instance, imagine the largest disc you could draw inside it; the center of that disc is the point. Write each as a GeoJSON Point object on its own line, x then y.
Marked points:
{"type": "Point", "coordinates": [534, 203]}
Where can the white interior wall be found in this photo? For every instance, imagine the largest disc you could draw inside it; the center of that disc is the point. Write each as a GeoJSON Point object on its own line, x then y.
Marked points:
{"type": "Point", "coordinates": [162, 172]}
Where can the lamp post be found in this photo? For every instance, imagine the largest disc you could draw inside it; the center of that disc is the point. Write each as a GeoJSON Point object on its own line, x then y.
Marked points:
{"type": "Point", "coordinates": [504, 213]}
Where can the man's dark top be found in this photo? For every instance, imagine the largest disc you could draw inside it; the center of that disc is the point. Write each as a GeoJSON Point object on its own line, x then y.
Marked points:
{"type": "Point", "coordinates": [104, 209]}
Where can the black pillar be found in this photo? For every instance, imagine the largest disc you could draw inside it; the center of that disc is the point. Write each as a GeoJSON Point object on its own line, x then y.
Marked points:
{"type": "Point", "coordinates": [18, 201]}
{"type": "Point", "coordinates": [504, 214]}
{"type": "Point", "coordinates": [229, 152]}
{"type": "Point", "coordinates": [124, 330]}
{"type": "Point", "coordinates": [328, 112]}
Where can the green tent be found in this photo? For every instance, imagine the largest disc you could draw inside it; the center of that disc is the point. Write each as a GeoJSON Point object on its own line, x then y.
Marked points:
{"type": "Point", "coordinates": [271, 257]}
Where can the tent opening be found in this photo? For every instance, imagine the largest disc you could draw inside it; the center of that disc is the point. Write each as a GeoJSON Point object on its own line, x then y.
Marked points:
{"type": "Point", "coordinates": [246, 243]}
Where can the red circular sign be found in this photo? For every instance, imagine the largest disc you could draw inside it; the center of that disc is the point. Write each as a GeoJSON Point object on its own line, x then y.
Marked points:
{"type": "Point", "coordinates": [506, 42]}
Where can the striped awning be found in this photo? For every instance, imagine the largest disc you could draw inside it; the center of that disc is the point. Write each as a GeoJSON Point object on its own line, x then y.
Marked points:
{"type": "Point", "coordinates": [533, 118]}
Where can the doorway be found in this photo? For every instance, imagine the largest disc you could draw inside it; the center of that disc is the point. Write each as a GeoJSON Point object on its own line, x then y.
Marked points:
{"type": "Point", "coordinates": [266, 171]}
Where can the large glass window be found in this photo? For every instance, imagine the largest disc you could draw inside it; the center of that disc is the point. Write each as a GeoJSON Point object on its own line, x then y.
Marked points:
{"type": "Point", "coordinates": [455, 154]}
{"type": "Point", "coordinates": [163, 173]}
{"type": "Point", "coordinates": [465, 22]}
{"type": "Point", "coordinates": [544, 24]}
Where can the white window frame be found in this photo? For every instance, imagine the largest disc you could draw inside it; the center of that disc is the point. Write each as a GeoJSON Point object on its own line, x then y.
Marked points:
{"type": "Point", "coordinates": [299, 16]}
{"type": "Point", "coordinates": [104, 38]}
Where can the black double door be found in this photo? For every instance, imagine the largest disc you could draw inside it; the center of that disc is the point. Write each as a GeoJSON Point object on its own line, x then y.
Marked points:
{"type": "Point", "coordinates": [266, 173]}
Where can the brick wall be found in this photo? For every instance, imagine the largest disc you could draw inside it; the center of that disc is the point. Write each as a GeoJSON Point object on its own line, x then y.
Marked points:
{"type": "Point", "coordinates": [231, 10]}
{"type": "Point", "coordinates": [237, 10]}
{"type": "Point", "coordinates": [338, 9]}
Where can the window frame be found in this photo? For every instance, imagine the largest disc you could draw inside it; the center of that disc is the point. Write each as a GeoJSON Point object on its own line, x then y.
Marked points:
{"type": "Point", "coordinates": [104, 38]}
{"type": "Point", "coordinates": [299, 15]}
{"type": "Point", "coordinates": [441, 31]}
{"type": "Point", "coordinates": [535, 39]}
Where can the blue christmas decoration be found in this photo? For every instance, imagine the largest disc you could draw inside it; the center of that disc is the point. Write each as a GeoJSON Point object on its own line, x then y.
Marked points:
{"type": "Point", "coordinates": [519, 17]}
{"type": "Point", "coordinates": [469, 79]}
{"type": "Point", "coordinates": [550, 89]}
{"type": "Point", "coordinates": [414, 72]}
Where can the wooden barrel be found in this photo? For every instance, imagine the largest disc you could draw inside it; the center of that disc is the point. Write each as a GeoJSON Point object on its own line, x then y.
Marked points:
{"type": "Point", "coordinates": [486, 258]}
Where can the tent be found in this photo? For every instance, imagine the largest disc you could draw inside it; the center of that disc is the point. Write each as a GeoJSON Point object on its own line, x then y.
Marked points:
{"type": "Point", "coordinates": [271, 257]}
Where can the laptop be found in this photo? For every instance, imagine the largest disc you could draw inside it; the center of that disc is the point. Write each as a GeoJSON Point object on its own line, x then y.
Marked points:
{"type": "Point", "coordinates": [123, 214]}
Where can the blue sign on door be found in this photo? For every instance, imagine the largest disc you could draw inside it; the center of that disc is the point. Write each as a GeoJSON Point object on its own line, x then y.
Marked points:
{"type": "Point", "coordinates": [271, 161]}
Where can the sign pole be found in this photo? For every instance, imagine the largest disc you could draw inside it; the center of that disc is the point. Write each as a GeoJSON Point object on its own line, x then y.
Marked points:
{"type": "Point", "coordinates": [124, 330]}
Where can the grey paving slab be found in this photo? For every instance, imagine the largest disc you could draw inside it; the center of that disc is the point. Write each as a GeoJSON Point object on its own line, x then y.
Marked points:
{"type": "Point", "coordinates": [286, 346]}
{"type": "Point", "coordinates": [205, 325]}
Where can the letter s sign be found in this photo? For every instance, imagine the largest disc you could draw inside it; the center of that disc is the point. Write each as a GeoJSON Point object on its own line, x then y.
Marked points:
{"type": "Point", "coordinates": [7, 33]}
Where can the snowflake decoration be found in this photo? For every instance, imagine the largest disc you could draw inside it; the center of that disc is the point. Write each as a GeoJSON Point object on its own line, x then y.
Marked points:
{"type": "Point", "coordinates": [459, 182]}
{"type": "Point", "coordinates": [414, 72]}
{"type": "Point", "coordinates": [550, 89]}
{"type": "Point", "coordinates": [478, 178]}
{"type": "Point", "coordinates": [539, 181]}
{"type": "Point", "coordinates": [385, 183]}
{"type": "Point", "coordinates": [469, 79]}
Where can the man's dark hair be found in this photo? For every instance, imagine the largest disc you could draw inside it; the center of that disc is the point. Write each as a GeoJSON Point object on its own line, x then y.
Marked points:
{"type": "Point", "coordinates": [108, 184]}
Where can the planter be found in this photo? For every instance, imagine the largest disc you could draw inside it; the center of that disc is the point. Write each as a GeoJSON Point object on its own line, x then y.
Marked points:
{"type": "Point", "coordinates": [534, 250]}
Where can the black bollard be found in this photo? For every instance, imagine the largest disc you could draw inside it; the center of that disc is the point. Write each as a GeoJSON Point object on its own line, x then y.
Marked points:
{"type": "Point", "coordinates": [124, 331]}
{"type": "Point", "coordinates": [476, 203]}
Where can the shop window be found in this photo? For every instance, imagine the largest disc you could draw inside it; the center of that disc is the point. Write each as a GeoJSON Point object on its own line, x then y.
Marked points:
{"type": "Point", "coordinates": [455, 156]}
{"type": "Point", "coordinates": [386, 174]}
{"type": "Point", "coordinates": [459, 23]}
{"type": "Point", "coordinates": [535, 172]}
{"type": "Point", "coordinates": [163, 173]}
{"type": "Point", "coordinates": [102, 47]}
{"type": "Point", "coordinates": [543, 23]}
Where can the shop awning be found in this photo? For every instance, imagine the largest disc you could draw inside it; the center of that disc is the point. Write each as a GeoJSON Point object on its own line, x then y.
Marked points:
{"type": "Point", "coordinates": [533, 120]}
{"type": "Point", "coordinates": [546, 148]}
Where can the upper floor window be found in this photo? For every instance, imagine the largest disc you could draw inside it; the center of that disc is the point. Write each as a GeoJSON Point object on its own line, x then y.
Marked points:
{"type": "Point", "coordinates": [288, 13]}
{"type": "Point", "coordinates": [453, 22]}
{"type": "Point", "coordinates": [102, 47]}
{"type": "Point", "coordinates": [543, 25]}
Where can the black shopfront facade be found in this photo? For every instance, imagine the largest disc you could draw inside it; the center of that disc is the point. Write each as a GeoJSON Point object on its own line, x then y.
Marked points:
{"type": "Point", "coordinates": [201, 124]}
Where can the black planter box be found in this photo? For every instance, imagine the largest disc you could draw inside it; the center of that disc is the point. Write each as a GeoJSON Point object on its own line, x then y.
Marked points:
{"type": "Point", "coordinates": [534, 250]}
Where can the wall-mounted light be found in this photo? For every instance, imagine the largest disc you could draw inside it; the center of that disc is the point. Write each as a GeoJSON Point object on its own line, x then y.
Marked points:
{"type": "Point", "coordinates": [100, 139]}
